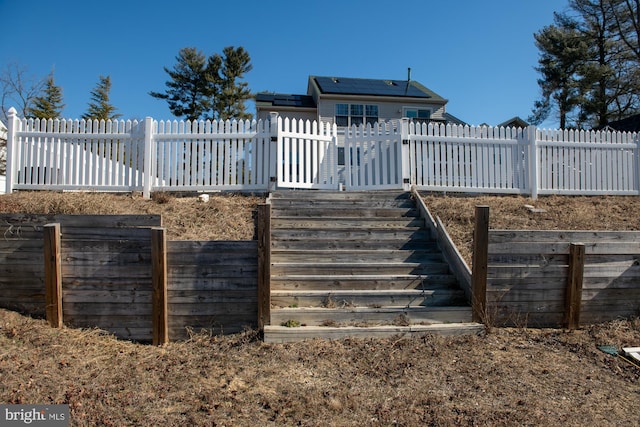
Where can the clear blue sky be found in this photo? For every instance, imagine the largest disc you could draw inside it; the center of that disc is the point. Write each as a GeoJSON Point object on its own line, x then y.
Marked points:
{"type": "Point", "coordinates": [480, 55]}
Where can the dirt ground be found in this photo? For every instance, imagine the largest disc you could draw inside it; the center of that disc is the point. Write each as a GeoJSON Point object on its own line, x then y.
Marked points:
{"type": "Point", "coordinates": [505, 377]}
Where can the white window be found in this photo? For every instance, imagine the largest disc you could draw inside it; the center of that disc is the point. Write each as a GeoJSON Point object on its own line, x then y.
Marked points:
{"type": "Point", "coordinates": [418, 114]}
{"type": "Point", "coordinates": [355, 114]}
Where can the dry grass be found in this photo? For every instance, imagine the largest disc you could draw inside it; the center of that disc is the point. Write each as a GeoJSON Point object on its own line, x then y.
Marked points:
{"type": "Point", "coordinates": [507, 377]}
{"type": "Point", "coordinates": [223, 217]}
{"type": "Point", "coordinates": [509, 212]}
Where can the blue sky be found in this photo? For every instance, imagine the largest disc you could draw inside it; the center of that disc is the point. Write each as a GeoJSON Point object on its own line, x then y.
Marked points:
{"type": "Point", "coordinates": [480, 55]}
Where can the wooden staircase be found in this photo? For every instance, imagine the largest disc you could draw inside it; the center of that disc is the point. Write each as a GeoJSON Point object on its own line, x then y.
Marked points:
{"type": "Point", "coordinates": [348, 264]}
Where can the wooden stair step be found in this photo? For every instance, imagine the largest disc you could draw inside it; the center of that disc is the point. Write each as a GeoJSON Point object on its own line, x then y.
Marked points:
{"type": "Point", "coordinates": [345, 223]}
{"type": "Point", "coordinates": [407, 233]}
{"type": "Point", "coordinates": [353, 244]}
{"type": "Point", "coordinates": [344, 212]}
{"type": "Point", "coordinates": [365, 298]}
{"type": "Point", "coordinates": [313, 316]}
{"type": "Point", "coordinates": [282, 334]}
{"type": "Point", "coordinates": [330, 268]}
{"type": "Point", "coordinates": [339, 195]}
{"type": "Point", "coordinates": [355, 256]}
{"type": "Point", "coordinates": [372, 282]}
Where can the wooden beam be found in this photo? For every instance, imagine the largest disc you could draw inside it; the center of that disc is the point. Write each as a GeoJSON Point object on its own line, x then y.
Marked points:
{"type": "Point", "coordinates": [573, 295]}
{"type": "Point", "coordinates": [53, 275]}
{"type": "Point", "coordinates": [479, 268]}
{"type": "Point", "coordinates": [159, 278]}
{"type": "Point", "coordinates": [264, 265]}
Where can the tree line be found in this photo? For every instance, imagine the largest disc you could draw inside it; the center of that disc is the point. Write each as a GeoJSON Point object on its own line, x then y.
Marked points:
{"type": "Point", "coordinates": [199, 87]}
{"type": "Point", "coordinates": [589, 64]}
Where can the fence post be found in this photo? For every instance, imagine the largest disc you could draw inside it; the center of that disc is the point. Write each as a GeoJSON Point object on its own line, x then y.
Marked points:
{"type": "Point", "coordinates": [534, 161]}
{"type": "Point", "coordinates": [406, 153]}
{"type": "Point", "coordinates": [159, 279]}
{"type": "Point", "coordinates": [479, 272]}
{"type": "Point", "coordinates": [148, 158]}
{"type": "Point", "coordinates": [636, 153]}
{"type": "Point", "coordinates": [573, 294]}
{"type": "Point", "coordinates": [274, 122]}
{"type": "Point", "coordinates": [12, 127]}
{"type": "Point", "coordinates": [264, 265]}
{"type": "Point", "coordinates": [52, 275]}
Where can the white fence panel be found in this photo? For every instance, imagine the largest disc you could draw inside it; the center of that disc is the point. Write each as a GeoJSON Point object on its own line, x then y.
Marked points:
{"type": "Point", "coordinates": [373, 157]}
{"type": "Point", "coordinates": [243, 155]}
{"type": "Point", "coordinates": [211, 155]}
{"type": "Point", "coordinates": [587, 162]}
{"type": "Point", "coordinates": [307, 155]}
{"type": "Point", "coordinates": [467, 159]}
{"type": "Point", "coordinates": [78, 155]}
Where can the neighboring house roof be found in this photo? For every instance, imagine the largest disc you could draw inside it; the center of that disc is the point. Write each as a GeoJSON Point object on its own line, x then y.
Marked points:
{"type": "Point", "coordinates": [450, 118]}
{"type": "Point", "coordinates": [629, 124]}
{"type": "Point", "coordinates": [514, 122]}
{"type": "Point", "coordinates": [373, 87]}
{"type": "Point", "coordinates": [286, 100]}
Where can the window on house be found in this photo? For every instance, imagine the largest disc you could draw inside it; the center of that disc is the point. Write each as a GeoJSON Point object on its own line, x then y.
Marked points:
{"type": "Point", "coordinates": [418, 114]}
{"type": "Point", "coordinates": [355, 114]}
{"type": "Point", "coordinates": [342, 114]}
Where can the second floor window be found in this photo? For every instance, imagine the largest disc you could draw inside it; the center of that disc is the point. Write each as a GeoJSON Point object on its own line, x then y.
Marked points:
{"type": "Point", "coordinates": [417, 114]}
{"type": "Point", "coordinates": [356, 114]}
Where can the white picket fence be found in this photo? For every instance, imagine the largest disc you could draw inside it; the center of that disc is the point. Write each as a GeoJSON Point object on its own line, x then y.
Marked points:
{"type": "Point", "coordinates": [154, 155]}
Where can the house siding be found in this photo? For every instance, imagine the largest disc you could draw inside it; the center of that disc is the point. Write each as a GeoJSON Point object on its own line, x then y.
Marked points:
{"type": "Point", "coordinates": [390, 110]}
{"type": "Point", "coordinates": [264, 113]}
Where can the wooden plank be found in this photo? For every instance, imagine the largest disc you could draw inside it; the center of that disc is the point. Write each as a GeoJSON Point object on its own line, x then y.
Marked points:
{"type": "Point", "coordinates": [175, 247]}
{"type": "Point", "coordinates": [82, 221]}
{"type": "Point", "coordinates": [591, 248]}
{"type": "Point", "coordinates": [457, 263]}
{"type": "Point", "coordinates": [159, 280]}
{"type": "Point", "coordinates": [221, 310]}
{"type": "Point", "coordinates": [264, 265]}
{"type": "Point", "coordinates": [223, 284]}
{"type": "Point", "coordinates": [211, 272]}
{"type": "Point", "coordinates": [53, 275]}
{"type": "Point", "coordinates": [568, 236]}
{"type": "Point", "coordinates": [200, 297]}
{"type": "Point", "coordinates": [480, 256]}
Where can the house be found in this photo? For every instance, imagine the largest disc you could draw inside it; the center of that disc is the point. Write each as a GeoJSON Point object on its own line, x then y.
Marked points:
{"type": "Point", "coordinates": [354, 101]}
{"type": "Point", "coordinates": [629, 124]}
{"type": "Point", "coordinates": [514, 122]}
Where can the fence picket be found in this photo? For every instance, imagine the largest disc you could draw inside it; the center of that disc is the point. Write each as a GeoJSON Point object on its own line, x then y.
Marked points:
{"type": "Point", "coordinates": [206, 155]}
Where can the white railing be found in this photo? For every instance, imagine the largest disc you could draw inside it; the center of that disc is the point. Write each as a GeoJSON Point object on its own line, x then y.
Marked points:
{"type": "Point", "coordinates": [373, 157]}
{"type": "Point", "coordinates": [307, 154]}
{"type": "Point", "coordinates": [256, 156]}
{"type": "Point", "coordinates": [468, 159]}
{"type": "Point", "coordinates": [587, 162]}
{"type": "Point", "coordinates": [206, 155]}
{"type": "Point", "coordinates": [75, 154]}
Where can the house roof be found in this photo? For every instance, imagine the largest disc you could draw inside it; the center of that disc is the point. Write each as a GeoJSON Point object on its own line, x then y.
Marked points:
{"type": "Point", "coordinates": [286, 100]}
{"type": "Point", "coordinates": [373, 87]}
{"type": "Point", "coordinates": [514, 122]}
{"type": "Point", "coordinates": [629, 124]}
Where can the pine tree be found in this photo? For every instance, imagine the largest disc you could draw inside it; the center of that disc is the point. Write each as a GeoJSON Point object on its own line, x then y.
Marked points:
{"type": "Point", "coordinates": [562, 53]}
{"type": "Point", "coordinates": [190, 89]}
{"type": "Point", "coordinates": [100, 108]}
{"type": "Point", "coordinates": [49, 104]}
{"type": "Point", "coordinates": [208, 88]}
{"type": "Point", "coordinates": [233, 93]}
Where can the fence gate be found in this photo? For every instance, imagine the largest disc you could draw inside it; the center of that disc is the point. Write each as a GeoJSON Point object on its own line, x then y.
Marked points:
{"type": "Point", "coordinates": [307, 155]}
{"type": "Point", "coordinates": [373, 157]}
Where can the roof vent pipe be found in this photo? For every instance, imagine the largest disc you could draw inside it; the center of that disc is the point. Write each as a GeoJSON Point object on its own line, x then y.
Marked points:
{"type": "Point", "coordinates": [409, 74]}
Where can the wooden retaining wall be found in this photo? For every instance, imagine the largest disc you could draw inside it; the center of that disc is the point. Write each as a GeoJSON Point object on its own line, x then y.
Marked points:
{"type": "Point", "coordinates": [561, 278]}
{"type": "Point", "coordinates": [109, 277]}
